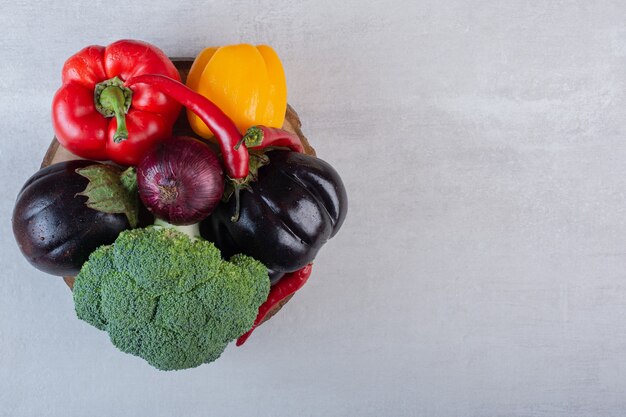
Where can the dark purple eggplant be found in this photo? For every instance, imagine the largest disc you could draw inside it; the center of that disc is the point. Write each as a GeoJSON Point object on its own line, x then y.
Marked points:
{"type": "Point", "coordinates": [297, 203]}
{"type": "Point", "coordinates": [53, 227]}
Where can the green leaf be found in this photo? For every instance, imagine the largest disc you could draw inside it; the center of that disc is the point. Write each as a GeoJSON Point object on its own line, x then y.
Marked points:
{"type": "Point", "coordinates": [111, 191]}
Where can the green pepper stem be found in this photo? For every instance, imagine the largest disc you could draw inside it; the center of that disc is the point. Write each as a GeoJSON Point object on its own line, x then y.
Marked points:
{"type": "Point", "coordinates": [252, 138]}
{"type": "Point", "coordinates": [112, 98]}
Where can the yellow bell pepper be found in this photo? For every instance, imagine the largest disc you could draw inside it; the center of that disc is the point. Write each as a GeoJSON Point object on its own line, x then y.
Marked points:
{"type": "Point", "coordinates": [247, 82]}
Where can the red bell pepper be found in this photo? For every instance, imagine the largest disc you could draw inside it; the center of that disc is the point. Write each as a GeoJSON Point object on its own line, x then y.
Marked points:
{"type": "Point", "coordinates": [96, 116]}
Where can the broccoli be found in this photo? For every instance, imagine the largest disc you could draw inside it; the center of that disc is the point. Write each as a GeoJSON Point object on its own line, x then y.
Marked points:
{"type": "Point", "coordinates": [167, 298]}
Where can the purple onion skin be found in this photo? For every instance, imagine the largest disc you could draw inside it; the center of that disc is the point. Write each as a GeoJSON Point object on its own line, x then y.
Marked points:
{"type": "Point", "coordinates": [180, 180]}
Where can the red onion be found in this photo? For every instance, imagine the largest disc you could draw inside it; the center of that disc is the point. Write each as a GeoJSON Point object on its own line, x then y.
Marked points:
{"type": "Point", "coordinates": [180, 180]}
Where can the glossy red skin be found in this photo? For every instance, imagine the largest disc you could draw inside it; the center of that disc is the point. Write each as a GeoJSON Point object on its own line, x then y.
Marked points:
{"type": "Point", "coordinates": [84, 131]}
{"type": "Point", "coordinates": [275, 137]}
{"type": "Point", "coordinates": [287, 286]}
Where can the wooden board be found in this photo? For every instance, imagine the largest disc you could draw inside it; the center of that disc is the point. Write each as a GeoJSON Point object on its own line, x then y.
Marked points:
{"type": "Point", "coordinates": [57, 153]}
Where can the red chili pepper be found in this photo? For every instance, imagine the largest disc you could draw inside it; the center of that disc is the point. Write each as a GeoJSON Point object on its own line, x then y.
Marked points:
{"type": "Point", "coordinates": [288, 285]}
{"type": "Point", "coordinates": [96, 117]}
{"type": "Point", "coordinates": [236, 159]}
{"type": "Point", "coordinates": [263, 137]}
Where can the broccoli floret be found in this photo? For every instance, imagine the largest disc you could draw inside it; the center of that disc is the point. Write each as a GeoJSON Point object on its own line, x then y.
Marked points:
{"type": "Point", "coordinates": [167, 298]}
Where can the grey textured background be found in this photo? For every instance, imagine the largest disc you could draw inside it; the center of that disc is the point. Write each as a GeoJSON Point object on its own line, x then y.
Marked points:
{"type": "Point", "coordinates": [482, 267]}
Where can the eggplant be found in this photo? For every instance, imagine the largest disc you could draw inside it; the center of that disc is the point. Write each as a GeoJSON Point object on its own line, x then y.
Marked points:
{"type": "Point", "coordinates": [53, 227]}
{"type": "Point", "coordinates": [296, 204]}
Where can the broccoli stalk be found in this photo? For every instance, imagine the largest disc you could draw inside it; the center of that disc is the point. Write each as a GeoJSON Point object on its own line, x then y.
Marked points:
{"type": "Point", "coordinates": [191, 230]}
{"type": "Point", "coordinates": [168, 297]}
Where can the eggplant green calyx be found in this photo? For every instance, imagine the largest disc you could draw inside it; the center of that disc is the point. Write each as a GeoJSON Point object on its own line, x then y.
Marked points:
{"type": "Point", "coordinates": [111, 190]}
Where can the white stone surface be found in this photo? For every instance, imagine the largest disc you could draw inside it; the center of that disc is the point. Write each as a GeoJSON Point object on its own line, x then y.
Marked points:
{"type": "Point", "coordinates": [482, 267]}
